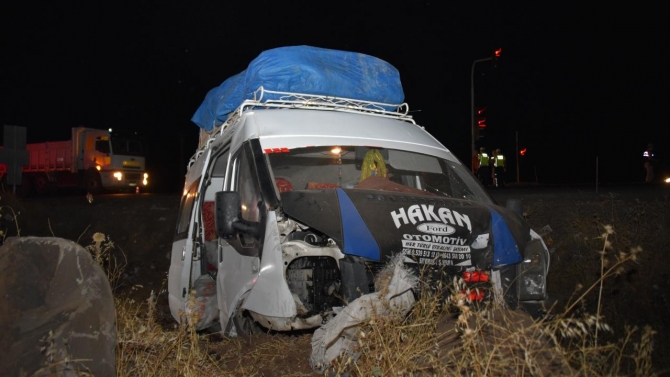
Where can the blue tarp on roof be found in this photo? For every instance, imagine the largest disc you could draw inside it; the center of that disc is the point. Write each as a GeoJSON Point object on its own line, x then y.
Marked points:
{"type": "Point", "coordinates": [304, 69]}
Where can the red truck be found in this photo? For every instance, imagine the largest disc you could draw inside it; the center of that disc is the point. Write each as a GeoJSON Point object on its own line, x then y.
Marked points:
{"type": "Point", "coordinates": [92, 159]}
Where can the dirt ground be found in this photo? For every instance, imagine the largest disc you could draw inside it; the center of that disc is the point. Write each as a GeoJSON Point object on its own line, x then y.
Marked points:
{"type": "Point", "coordinates": [640, 216]}
{"type": "Point", "coordinates": [142, 226]}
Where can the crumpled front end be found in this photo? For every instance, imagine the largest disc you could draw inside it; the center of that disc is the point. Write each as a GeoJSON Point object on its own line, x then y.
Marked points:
{"type": "Point", "coordinates": [364, 229]}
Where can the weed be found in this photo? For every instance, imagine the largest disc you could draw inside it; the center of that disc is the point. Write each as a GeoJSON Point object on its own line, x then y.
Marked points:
{"type": "Point", "coordinates": [8, 215]}
{"type": "Point", "coordinates": [461, 339]}
{"type": "Point", "coordinates": [105, 254]}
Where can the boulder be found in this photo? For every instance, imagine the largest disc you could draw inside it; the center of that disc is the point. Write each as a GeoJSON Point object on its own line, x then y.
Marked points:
{"type": "Point", "coordinates": [57, 312]}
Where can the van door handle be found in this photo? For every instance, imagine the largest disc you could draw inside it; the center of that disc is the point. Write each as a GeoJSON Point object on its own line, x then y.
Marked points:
{"type": "Point", "coordinates": [196, 250]}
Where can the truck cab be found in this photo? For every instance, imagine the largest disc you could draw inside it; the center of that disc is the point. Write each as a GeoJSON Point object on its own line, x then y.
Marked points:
{"type": "Point", "coordinates": [93, 159]}
{"type": "Point", "coordinates": [292, 206]}
{"type": "Point", "coordinates": [107, 160]}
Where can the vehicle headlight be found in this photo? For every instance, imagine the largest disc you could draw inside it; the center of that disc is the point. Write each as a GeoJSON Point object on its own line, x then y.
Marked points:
{"type": "Point", "coordinates": [532, 272]}
{"type": "Point", "coordinates": [145, 181]}
{"type": "Point", "coordinates": [118, 175]}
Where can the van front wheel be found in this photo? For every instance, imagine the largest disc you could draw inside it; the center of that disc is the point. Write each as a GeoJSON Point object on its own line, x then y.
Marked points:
{"type": "Point", "coordinates": [244, 323]}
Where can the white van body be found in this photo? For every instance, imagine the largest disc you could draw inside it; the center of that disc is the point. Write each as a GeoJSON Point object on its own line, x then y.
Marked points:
{"type": "Point", "coordinates": [280, 271]}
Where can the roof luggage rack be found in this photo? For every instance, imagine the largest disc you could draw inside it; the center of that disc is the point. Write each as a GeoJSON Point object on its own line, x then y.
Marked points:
{"type": "Point", "coordinates": [275, 99]}
{"type": "Point", "coordinates": [271, 99]}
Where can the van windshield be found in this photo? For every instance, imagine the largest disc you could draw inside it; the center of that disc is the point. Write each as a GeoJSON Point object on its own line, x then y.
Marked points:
{"type": "Point", "coordinates": [356, 167]}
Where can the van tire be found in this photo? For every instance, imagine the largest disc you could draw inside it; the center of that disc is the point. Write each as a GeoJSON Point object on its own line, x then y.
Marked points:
{"type": "Point", "coordinates": [244, 323]}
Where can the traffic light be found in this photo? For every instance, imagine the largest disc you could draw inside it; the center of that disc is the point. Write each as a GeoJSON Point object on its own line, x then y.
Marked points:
{"type": "Point", "coordinates": [496, 56]}
{"type": "Point", "coordinates": [522, 152]}
{"type": "Point", "coordinates": [481, 118]}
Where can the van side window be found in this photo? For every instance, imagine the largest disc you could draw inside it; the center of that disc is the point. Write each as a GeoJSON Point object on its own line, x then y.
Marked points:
{"type": "Point", "coordinates": [185, 210]}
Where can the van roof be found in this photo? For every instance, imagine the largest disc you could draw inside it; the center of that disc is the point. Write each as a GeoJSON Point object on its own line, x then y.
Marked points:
{"type": "Point", "coordinates": [300, 128]}
{"type": "Point", "coordinates": [299, 120]}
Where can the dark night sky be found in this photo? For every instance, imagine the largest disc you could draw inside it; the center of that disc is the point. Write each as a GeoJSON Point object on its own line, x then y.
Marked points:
{"type": "Point", "coordinates": [576, 82]}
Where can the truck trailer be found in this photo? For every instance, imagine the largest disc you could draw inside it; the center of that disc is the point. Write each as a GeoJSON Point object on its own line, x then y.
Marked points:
{"type": "Point", "coordinates": [92, 159]}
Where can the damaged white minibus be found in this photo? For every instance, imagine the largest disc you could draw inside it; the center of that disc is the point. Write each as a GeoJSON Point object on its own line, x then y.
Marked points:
{"type": "Point", "coordinates": [300, 193]}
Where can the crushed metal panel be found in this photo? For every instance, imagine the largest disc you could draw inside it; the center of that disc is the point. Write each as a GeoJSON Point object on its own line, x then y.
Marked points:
{"type": "Point", "coordinates": [339, 335]}
{"type": "Point", "coordinates": [270, 295]}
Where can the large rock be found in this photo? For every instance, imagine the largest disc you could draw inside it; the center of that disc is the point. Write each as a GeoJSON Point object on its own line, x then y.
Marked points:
{"type": "Point", "coordinates": [56, 310]}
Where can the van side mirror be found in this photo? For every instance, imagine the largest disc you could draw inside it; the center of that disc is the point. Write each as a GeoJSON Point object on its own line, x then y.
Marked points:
{"type": "Point", "coordinates": [227, 213]}
{"type": "Point", "coordinates": [228, 220]}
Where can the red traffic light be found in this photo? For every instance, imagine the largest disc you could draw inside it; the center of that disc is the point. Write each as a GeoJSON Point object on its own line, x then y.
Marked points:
{"type": "Point", "coordinates": [522, 152]}
{"type": "Point", "coordinates": [481, 118]}
{"type": "Point", "coordinates": [497, 52]}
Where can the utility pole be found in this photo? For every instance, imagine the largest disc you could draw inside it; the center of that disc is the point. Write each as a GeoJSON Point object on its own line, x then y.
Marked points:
{"type": "Point", "coordinates": [517, 156]}
{"type": "Point", "coordinates": [494, 57]}
{"type": "Point", "coordinates": [472, 106]}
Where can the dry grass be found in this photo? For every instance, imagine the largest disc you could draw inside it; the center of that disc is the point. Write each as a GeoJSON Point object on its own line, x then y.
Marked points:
{"type": "Point", "coordinates": [144, 348]}
{"type": "Point", "coordinates": [9, 218]}
{"type": "Point", "coordinates": [635, 294]}
{"type": "Point", "coordinates": [457, 339]}
{"type": "Point", "coordinates": [438, 338]}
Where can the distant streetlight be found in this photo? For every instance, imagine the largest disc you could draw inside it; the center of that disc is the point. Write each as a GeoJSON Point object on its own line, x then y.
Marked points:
{"type": "Point", "coordinates": [496, 55]}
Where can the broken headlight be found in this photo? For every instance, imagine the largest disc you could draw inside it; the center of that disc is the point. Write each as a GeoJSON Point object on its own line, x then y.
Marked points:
{"type": "Point", "coordinates": [532, 272]}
